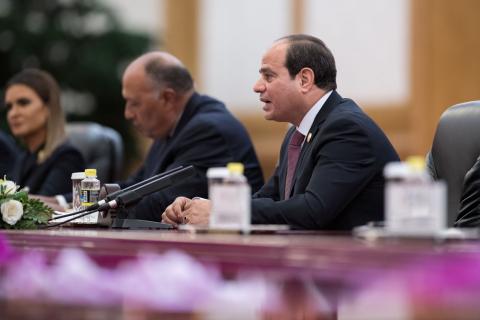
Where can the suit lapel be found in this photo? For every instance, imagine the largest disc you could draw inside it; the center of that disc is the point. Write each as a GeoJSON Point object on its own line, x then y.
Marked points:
{"type": "Point", "coordinates": [165, 146]}
{"type": "Point", "coordinates": [157, 158]}
{"type": "Point", "coordinates": [322, 115]}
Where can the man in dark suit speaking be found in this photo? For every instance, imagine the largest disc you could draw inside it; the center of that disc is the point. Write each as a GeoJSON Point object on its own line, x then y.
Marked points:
{"type": "Point", "coordinates": [187, 128]}
{"type": "Point", "coordinates": [329, 174]}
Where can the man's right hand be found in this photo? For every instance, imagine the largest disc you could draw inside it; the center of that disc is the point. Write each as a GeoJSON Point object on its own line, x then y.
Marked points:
{"type": "Point", "coordinates": [173, 214]}
{"type": "Point", "coordinates": [188, 211]}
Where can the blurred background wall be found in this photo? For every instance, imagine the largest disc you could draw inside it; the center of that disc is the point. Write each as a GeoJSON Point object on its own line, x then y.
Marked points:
{"type": "Point", "coordinates": [403, 61]}
{"type": "Point", "coordinates": [85, 45]}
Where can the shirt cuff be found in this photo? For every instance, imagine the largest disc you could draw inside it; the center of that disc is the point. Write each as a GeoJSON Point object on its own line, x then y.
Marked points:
{"type": "Point", "coordinates": [62, 201]}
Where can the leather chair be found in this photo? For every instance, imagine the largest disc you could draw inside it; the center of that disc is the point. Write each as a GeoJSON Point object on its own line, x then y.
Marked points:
{"type": "Point", "coordinates": [101, 147]}
{"type": "Point", "coordinates": [455, 148]}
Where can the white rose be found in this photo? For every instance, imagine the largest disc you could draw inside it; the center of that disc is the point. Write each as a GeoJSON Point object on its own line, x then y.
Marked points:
{"type": "Point", "coordinates": [12, 211]}
{"type": "Point", "coordinates": [10, 186]}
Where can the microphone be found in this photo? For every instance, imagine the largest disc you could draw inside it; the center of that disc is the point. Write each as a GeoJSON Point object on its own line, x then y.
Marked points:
{"type": "Point", "coordinates": [470, 221]}
{"type": "Point", "coordinates": [125, 197]}
{"type": "Point", "coordinates": [111, 196]}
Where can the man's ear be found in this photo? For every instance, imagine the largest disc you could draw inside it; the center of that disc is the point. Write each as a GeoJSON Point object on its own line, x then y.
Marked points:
{"type": "Point", "coordinates": [306, 77]}
{"type": "Point", "coordinates": [169, 95]}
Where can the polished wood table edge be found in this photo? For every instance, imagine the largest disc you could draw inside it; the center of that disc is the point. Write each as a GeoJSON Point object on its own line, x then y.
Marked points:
{"type": "Point", "coordinates": [327, 254]}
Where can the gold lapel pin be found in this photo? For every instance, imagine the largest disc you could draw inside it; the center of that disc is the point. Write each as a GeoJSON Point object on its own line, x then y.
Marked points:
{"type": "Point", "coordinates": [309, 137]}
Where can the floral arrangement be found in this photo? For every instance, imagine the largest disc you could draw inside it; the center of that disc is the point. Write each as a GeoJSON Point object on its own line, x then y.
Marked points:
{"type": "Point", "coordinates": [18, 211]}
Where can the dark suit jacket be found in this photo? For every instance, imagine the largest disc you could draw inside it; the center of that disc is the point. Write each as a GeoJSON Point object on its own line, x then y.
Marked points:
{"type": "Point", "coordinates": [8, 155]}
{"type": "Point", "coordinates": [469, 214]}
{"type": "Point", "coordinates": [207, 135]}
{"type": "Point", "coordinates": [51, 177]}
{"type": "Point", "coordinates": [338, 183]}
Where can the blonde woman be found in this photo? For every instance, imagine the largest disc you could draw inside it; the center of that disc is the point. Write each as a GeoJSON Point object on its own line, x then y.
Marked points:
{"type": "Point", "coordinates": [35, 117]}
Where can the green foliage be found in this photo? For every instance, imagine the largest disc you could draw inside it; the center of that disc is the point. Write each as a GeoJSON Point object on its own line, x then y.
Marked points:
{"type": "Point", "coordinates": [83, 45]}
{"type": "Point", "coordinates": [35, 212]}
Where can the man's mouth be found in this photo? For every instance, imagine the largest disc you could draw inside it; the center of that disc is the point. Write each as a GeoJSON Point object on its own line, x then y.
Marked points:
{"type": "Point", "coordinates": [265, 100]}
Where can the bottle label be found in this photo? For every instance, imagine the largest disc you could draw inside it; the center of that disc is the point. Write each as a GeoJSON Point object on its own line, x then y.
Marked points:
{"type": "Point", "coordinates": [76, 195]}
{"type": "Point", "coordinates": [230, 206]}
{"type": "Point", "coordinates": [415, 209]}
{"type": "Point", "coordinates": [89, 197]}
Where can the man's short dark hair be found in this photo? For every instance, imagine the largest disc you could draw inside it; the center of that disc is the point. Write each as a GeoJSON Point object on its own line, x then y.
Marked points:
{"type": "Point", "coordinates": [305, 51]}
{"type": "Point", "coordinates": [176, 77]}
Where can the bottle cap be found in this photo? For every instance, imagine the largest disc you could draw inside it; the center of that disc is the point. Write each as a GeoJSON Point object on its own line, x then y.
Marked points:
{"type": "Point", "coordinates": [395, 170]}
{"type": "Point", "coordinates": [78, 175]}
{"type": "Point", "coordinates": [217, 173]}
{"type": "Point", "coordinates": [91, 172]}
{"type": "Point", "coordinates": [235, 167]}
{"type": "Point", "coordinates": [416, 163]}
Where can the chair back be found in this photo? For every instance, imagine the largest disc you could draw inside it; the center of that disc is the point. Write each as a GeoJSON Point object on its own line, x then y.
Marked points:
{"type": "Point", "coordinates": [455, 148]}
{"type": "Point", "coordinates": [101, 147]}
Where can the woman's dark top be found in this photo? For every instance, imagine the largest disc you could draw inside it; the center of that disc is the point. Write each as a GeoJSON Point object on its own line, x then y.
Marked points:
{"type": "Point", "coordinates": [52, 176]}
{"type": "Point", "coordinates": [8, 154]}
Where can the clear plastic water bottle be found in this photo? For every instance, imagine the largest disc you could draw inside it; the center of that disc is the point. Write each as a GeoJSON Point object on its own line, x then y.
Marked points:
{"type": "Point", "coordinates": [90, 188]}
{"type": "Point", "coordinates": [415, 204]}
{"type": "Point", "coordinates": [230, 194]}
{"type": "Point", "coordinates": [77, 178]}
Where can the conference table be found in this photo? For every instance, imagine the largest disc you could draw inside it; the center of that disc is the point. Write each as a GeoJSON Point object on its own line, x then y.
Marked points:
{"type": "Point", "coordinates": [317, 275]}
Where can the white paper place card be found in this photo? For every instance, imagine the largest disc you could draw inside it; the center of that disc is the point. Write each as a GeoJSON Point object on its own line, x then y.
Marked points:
{"type": "Point", "coordinates": [92, 218]}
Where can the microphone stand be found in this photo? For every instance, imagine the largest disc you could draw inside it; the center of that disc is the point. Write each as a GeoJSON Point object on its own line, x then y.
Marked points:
{"type": "Point", "coordinates": [112, 196]}
{"type": "Point", "coordinates": [131, 195]}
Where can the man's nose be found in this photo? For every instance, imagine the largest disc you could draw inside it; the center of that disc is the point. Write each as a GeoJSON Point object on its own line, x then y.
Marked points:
{"type": "Point", "coordinates": [259, 86]}
{"type": "Point", "coordinates": [127, 113]}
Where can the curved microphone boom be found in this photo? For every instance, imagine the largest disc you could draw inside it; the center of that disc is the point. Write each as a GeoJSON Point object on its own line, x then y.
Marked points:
{"type": "Point", "coordinates": [112, 196]}
{"type": "Point", "coordinates": [132, 194]}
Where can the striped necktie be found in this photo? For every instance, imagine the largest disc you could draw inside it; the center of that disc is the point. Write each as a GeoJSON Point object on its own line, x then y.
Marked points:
{"type": "Point", "coordinates": [293, 152]}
